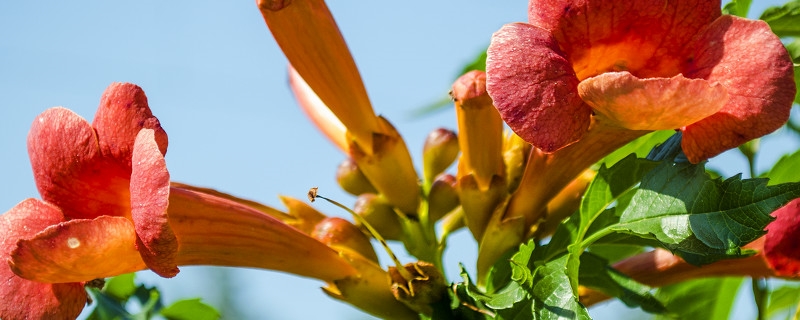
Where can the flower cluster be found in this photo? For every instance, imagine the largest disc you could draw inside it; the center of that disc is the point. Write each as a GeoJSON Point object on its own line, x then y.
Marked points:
{"type": "Point", "coordinates": [579, 80]}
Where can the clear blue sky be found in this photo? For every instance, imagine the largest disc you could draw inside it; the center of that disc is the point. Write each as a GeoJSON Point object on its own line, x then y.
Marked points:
{"type": "Point", "coordinates": [217, 81]}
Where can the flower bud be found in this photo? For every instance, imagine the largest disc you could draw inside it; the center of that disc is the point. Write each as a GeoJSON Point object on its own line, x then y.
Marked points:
{"type": "Point", "coordinates": [351, 179]}
{"type": "Point", "coordinates": [380, 215]}
{"type": "Point", "coordinates": [443, 197]}
{"type": "Point", "coordinates": [515, 156]}
{"type": "Point", "coordinates": [340, 234]}
{"type": "Point", "coordinates": [426, 287]}
{"type": "Point", "coordinates": [480, 130]}
{"type": "Point", "coordinates": [439, 152]}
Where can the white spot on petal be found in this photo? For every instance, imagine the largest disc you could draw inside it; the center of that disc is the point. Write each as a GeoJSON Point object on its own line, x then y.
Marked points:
{"type": "Point", "coordinates": [73, 243]}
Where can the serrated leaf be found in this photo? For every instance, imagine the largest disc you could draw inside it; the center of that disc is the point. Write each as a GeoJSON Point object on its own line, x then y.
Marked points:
{"type": "Point", "coordinates": [462, 304]}
{"type": "Point", "coordinates": [710, 298]}
{"type": "Point", "coordinates": [702, 219]}
{"type": "Point", "coordinates": [520, 261]}
{"type": "Point", "coordinates": [120, 287]}
{"type": "Point", "coordinates": [547, 284]}
{"type": "Point", "coordinates": [784, 21]}
{"type": "Point", "coordinates": [190, 309]}
{"type": "Point", "coordinates": [553, 297]}
{"type": "Point", "coordinates": [608, 185]}
{"type": "Point", "coordinates": [500, 274]}
{"type": "Point", "coordinates": [781, 299]}
{"type": "Point", "coordinates": [503, 298]}
{"type": "Point", "coordinates": [596, 273]}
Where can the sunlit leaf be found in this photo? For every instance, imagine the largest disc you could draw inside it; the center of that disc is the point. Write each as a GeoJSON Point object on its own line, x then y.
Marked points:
{"type": "Point", "coordinates": [121, 287]}
{"type": "Point", "coordinates": [785, 170]}
{"type": "Point", "coordinates": [702, 219]}
{"type": "Point", "coordinates": [710, 298]}
{"type": "Point", "coordinates": [784, 21]}
{"type": "Point", "coordinates": [737, 7]}
{"type": "Point", "coordinates": [641, 146]}
{"type": "Point", "coordinates": [190, 309]}
{"type": "Point", "coordinates": [783, 299]}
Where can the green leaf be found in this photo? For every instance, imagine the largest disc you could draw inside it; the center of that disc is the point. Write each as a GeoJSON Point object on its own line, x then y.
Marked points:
{"type": "Point", "coordinates": [553, 297]}
{"type": "Point", "coordinates": [641, 146]}
{"type": "Point", "coordinates": [503, 298]}
{"type": "Point", "coordinates": [710, 298]}
{"type": "Point", "coordinates": [479, 63]}
{"type": "Point", "coordinates": [107, 307]}
{"type": "Point", "coordinates": [608, 185]}
{"type": "Point", "coordinates": [737, 7]}
{"type": "Point", "coordinates": [520, 272]}
{"type": "Point", "coordinates": [615, 252]}
{"type": "Point", "coordinates": [548, 285]}
{"type": "Point", "coordinates": [120, 287]}
{"type": "Point", "coordinates": [596, 273]}
{"type": "Point", "coordinates": [785, 170]}
{"type": "Point", "coordinates": [702, 219]}
{"type": "Point", "coordinates": [190, 309]}
{"type": "Point", "coordinates": [785, 20]}
{"type": "Point", "coordinates": [794, 51]}
{"type": "Point", "coordinates": [783, 299]}
{"type": "Point", "coordinates": [462, 304]}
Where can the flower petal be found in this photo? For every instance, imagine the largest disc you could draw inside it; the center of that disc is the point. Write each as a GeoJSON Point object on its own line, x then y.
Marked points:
{"type": "Point", "coordinates": [752, 63]}
{"type": "Point", "coordinates": [534, 87]}
{"type": "Point", "coordinates": [24, 299]}
{"type": "Point", "coordinates": [781, 248]}
{"type": "Point", "coordinates": [69, 170]}
{"type": "Point", "coordinates": [480, 129]}
{"type": "Point", "coordinates": [122, 113]}
{"type": "Point", "coordinates": [643, 37]}
{"type": "Point", "coordinates": [149, 201]}
{"type": "Point", "coordinates": [652, 103]}
{"type": "Point", "coordinates": [307, 33]}
{"type": "Point", "coordinates": [78, 250]}
{"type": "Point", "coordinates": [317, 111]}
{"type": "Point", "coordinates": [217, 231]}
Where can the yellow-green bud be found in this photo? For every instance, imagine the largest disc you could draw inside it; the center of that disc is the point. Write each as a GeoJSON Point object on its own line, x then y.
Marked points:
{"type": "Point", "coordinates": [380, 215]}
{"type": "Point", "coordinates": [443, 196]}
{"type": "Point", "coordinates": [340, 234]}
{"type": "Point", "coordinates": [351, 179]}
{"type": "Point", "coordinates": [439, 152]}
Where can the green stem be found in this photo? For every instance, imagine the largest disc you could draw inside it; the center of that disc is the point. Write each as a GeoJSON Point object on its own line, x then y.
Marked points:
{"type": "Point", "coordinates": [595, 236]}
{"type": "Point", "coordinates": [402, 270]}
{"type": "Point", "coordinates": [760, 291]}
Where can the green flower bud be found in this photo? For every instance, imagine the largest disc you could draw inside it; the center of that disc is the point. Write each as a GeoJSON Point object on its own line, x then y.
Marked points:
{"type": "Point", "coordinates": [439, 152]}
{"type": "Point", "coordinates": [443, 196]}
{"type": "Point", "coordinates": [380, 215]}
{"type": "Point", "coordinates": [352, 180]}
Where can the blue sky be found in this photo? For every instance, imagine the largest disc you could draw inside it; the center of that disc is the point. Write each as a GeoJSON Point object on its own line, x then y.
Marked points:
{"type": "Point", "coordinates": [217, 81]}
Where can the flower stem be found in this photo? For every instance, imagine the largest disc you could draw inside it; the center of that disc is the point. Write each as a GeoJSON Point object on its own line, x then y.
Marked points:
{"type": "Point", "coordinates": [406, 275]}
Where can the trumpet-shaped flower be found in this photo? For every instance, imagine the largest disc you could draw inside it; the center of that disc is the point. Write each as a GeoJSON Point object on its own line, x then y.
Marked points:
{"type": "Point", "coordinates": [323, 75]}
{"type": "Point", "coordinates": [109, 209]}
{"type": "Point", "coordinates": [640, 65]}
